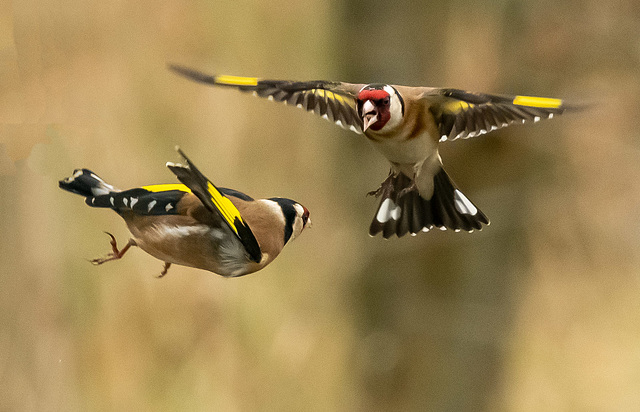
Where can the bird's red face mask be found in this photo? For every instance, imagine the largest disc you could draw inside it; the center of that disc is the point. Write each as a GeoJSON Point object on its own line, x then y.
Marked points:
{"type": "Point", "coordinates": [373, 107]}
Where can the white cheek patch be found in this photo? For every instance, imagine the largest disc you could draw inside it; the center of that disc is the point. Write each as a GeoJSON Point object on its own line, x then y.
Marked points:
{"type": "Point", "coordinates": [389, 90]}
{"type": "Point", "coordinates": [464, 205]}
{"type": "Point", "coordinates": [297, 224]}
{"type": "Point", "coordinates": [395, 109]}
{"type": "Point", "coordinates": [388, 210]}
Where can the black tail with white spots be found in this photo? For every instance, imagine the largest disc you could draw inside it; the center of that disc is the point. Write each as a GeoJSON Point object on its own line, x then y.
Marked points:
{"type": "Point", "coordinates": [86, 183]}
{"type": "Point", "coordinates": [142, 200]}
{"type": "Point", "coordinates": [448, 208]}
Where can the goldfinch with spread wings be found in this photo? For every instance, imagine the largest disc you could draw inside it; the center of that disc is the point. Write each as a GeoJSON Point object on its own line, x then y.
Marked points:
{"type": "Point", "coordinates": [195, 223]}
{"type": "Point", "coordinates": [405, 124]}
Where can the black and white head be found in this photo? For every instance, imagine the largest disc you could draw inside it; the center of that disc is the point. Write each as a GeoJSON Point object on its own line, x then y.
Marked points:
{"type": "Point", "coordinates": [296, 217]}
{"type": "Point", "coordinates": [380, 106]}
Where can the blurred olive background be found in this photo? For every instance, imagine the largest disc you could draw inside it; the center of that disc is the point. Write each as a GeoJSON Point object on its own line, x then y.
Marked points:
{"type": "Point", "coordinates": [539, 311]}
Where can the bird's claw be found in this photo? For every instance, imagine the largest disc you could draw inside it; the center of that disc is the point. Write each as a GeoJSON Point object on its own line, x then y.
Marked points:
{"type": "Point", "coordinates": [385, 186]}
{"type": "Point", "coordinates": [114, 254]}
{"type": "Point", "coordinates": [167, 265]}
{"type": "Point", "coordinates": [376, 192]}
{"type": "Point", "coordinates": [407, 189]}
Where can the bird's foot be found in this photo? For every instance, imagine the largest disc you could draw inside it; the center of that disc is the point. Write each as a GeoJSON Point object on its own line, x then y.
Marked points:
{"type": "Point", "coordinates": [167, 265]}
{"type": "Point", "coordinates": [115, 254]}
{"type": "Point", "coordinates": [386, 186]}
{"type": "Point", "coordinates": [408, 189]}
{"type": "Point", "coordinates": [376, 192]}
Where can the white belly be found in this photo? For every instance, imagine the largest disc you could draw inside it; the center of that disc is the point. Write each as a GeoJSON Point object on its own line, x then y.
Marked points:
{"type": "Point", "coordinates": [402, 151]}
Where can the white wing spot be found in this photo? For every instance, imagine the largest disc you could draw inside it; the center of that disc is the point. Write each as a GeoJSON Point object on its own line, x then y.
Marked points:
{"type": "Point", "coordinates": [151, 205]}
{"type": "Point", "coordinates": [388, 210]}
{"type": "Point", "coordinates": [134, 200]}
{"type": "Point", "coordinates": [168, 207]}
{"type": "Point", "coordinates": [325, 117]}
{"type": "Point", "coordinates": [550, 115]}
{"type": "Point", "coordinates": [270, 97]}
{"type": "Point", "coordinates": [111, 200]}
{"type": "Point", "coordinates": [536, 119]}
{"type": "Point", "coordinates": [464, 205]}
{"type": "Point", "coordinates": [125, 201]}
{"type": "Point", "coordinates": [96, 177]}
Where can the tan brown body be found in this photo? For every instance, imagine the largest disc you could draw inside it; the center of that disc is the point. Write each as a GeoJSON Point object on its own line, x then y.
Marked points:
{"type": "Point", "coordinates": [196, 224]}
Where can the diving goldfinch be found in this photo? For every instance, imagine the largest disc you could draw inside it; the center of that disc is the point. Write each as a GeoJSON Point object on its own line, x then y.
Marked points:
{"type": "Point", "coordinates": [405, 124]}
{"type": "Point", "coordinates": [195, 223]}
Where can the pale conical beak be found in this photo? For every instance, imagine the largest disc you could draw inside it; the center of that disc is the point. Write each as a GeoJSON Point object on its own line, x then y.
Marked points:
{"type": "Point", "coordinates": [370, 114]}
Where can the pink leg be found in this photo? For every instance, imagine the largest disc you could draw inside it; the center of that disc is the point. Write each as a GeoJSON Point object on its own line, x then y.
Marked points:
{"type": "Point", "coordinates": [115, 254]}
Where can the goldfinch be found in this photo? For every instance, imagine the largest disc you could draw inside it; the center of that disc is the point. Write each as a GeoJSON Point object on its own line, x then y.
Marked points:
{"type": "Point", "coordinates": [405, 124]}
{"type": "Point", "coordinates": [195, 223]}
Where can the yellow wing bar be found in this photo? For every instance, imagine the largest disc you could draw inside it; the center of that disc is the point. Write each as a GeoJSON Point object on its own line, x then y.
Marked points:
{"type": "Point", "coordinates": [543, 102]}
{"type": "Point", "coordinates": [225, 206]}
{"type": "Point", "coordinates": [222, 203]}
{"type": "Point", "coordinates": [329, 94]}
{"type": "Point", "coordinates": [167, 187]}
{"type": "Point", "coordinates": [237, 80]}
{"type": "Point", "coordinates": [457, 105]}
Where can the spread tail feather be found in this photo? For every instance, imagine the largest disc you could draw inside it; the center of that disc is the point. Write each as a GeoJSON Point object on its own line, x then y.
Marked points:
{"type": "Point", "coordinates": [447, 208]}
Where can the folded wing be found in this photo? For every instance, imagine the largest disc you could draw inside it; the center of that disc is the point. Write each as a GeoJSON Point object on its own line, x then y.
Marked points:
{"type": "Point", "coordinates": [217, 202]}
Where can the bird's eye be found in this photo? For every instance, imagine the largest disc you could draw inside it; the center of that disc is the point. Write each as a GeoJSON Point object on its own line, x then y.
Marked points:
{"type": "Point", "coordinates": [385, 101]}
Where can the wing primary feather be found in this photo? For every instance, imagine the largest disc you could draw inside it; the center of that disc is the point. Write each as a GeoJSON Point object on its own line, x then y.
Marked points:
{"type": "Point", "coordinates": [217, 202]}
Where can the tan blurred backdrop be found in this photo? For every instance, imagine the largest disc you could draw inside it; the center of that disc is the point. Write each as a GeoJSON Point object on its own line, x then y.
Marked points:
{"type": "Point", "coordinates": [539, 311]}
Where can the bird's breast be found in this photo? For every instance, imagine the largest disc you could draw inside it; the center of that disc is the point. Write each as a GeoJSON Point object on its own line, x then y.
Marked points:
{"type": "Point", "coordinates": [403, 148]}
{"type": "Point", "coordinates": [200, 246]}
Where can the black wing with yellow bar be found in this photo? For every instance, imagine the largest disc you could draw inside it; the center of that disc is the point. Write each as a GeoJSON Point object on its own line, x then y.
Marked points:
{"type": "Point", "coordinates": [463, 114]}
{"type": "Point", "coordinates": [214, 200]}
{"type": "Point", "coordinates": [333, 101]}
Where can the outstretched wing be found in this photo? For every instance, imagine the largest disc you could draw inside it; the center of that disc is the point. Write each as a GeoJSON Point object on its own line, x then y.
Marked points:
{"type": "Point", "coordinates": [334, 101]}
{"type": "Point", "coordinates": [463, 114]}
{"type": "Point", "coordinates": [214, 200]}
